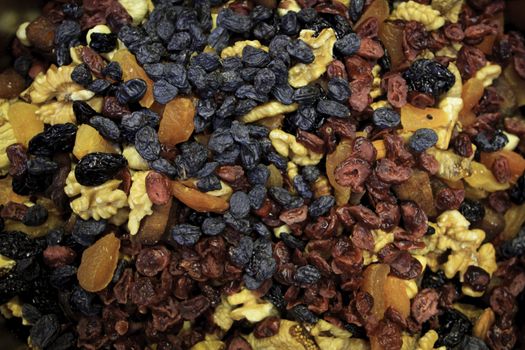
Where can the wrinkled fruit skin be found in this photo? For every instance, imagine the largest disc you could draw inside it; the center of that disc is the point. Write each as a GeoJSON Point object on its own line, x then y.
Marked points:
{"type": "Point", "coordinates": [96, 168]}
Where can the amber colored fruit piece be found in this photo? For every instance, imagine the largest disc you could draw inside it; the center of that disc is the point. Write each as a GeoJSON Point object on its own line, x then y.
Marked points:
{"type": "Point", "coordinates": [341, 153]}
{"type": "Point", "coordinates": [24, 121]}
{"type": "Point", "coordinates": [484, 323]}
{"type": "Point", "coordinates": [471, 94]}
{"type": "Point", "coordinates": [387, 291]}
{"type": "Point", "coordinates": [413, 118]}
{"type": "Point", "coordinates": [516, 162]}
{"type": "Point", "coordinates": [392, 37]}
{"type": "Point", "coordinates": [514, 220]}
{"type": "Point", "coordinates": [517, 84]}
{"type": "Point", "coordinates": [88, 140]}
{"type": "Point", "coordinates": [153, 226]}
{"type": "Point", "coordinates": [132, 70]}
{"type": "Point", "coordinates": [418, 189]}
{"type": "Point", "coordinates": [197, 200]}
{"type": "Point", "coordinates": [380, 147]}
{"type": "Point", "coordinates": [176, 125]}
{"type": "Point", "coordinates": [11, 84]}
{"type": "Point", "coordinates": [271, 123]}
{"type": "Point", "coordinates": [98, 263]}
{"type": "Point", "coordinates": [275, 179]}
{"type": "Point", "coordinates": [378, 9]}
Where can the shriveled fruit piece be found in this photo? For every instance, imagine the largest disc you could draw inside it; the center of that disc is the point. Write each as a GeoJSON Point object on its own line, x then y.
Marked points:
{"type": "Point", "coordinates": [24, 121]}
{"type": "Point", "coordinates": [197, 200]}
{"type": "Point", "coordinates": [417, 188]}
{"type": "Point", "coordinates": [391, 36]}
{"type": "Point", "coordinates": [88, 140]}
{"type": "Point", "coordinates": [471, 94]}
{"type": "Point", "coordinates": [413, 118]}
{"type": "Point", "coordinates": [516, 162]}
{"type": "Point", "coordinates": [378, 9]}
{"type": "Point", "coordinates": [41, 33]}
{"type": "Point", "coordinates": [275, 179]}
{"type": "Point", "coordinates": [341, 153]}
{"type": "Point", "coordinates": [98, 263]}
{"type": "Point", "coordinates": [153, 226]}
{"type": "Point", "coordinates": [488, 41]}
{"type": "Point", "coordinates": [11, 84]}
{"type": "Point", "coordinates": [517, 84]}
{"type": "Point", "coordinates": [387, 291]}
{"type": "Point", "coordinates": [176, 125]}
{"type": "Point", "coordinates": [132, 70]}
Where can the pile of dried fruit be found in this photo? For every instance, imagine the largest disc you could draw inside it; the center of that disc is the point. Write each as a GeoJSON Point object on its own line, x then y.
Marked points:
{"type": "Point", "coordinates": [255, 174]}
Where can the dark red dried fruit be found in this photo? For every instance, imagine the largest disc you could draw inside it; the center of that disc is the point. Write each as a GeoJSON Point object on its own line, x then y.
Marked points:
{"type": "Point", "coordinates": [152, 260]}
{"type": "Point", "coordinates": [267, 327]}
{"type": "Point", "coordinates": [454, 32]}
{"type": "Point", "coordinates": [113, 109]}
{"type": "Point", "coordinates": [56, 256]}
{"type": "Point", "coordinates": [310, 141]}
{"type": "Point", "coordinates": [391, 173]}
{"type": "Point", "coordinates": [414, 218]}
{"type": "Point", "coordinates": [365, 216]}
{"type": "Point", "coordinates": [18, 159]}
{"type": "Point", "coordinates": [396, 89]}
{"type": "Point", "coordinates": [477, 278]}
{"type": "Point", "coordinates": [501, 169]}
{"type": "Point", "coordinates": [463, 145]}
{"type": "Point", "coordinates": [362, 238]}
{"type": "Point", "coordinates": [336, 69]}
{"type": "Point", "coordinates": [370, 49]}
{"type": "Point", "coordinates": [353, 172]}
{"type": "Point", "coordinates": [449, 198]}
{"type": "Point", "coordinates": [469, 61]}
{"type": "Point", "coordinates": [294, 216]}
{"type": "Point", "coordinates": [13, 211]}
{"type": "Point", "coordinates": [93, 60]}
{"type": "Point", "coordinates": [158, 188]}
{"type": "Point", "coordinates": [425, 305]}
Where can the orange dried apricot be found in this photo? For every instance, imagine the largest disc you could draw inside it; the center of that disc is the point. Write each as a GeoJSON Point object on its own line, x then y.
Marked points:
{"type": "Point", "coordinates": [197, 200]}
{"type": "Point", "coordinates": [24, 121]}
{"type": "Point", "coordinates": [176, 125]}
{"type": "Point", "coordinates": [132, 70]}
{"type": "Point", "coordinates": [341, 153]}
{"type": "Point", "coordinates": [413, 118]}
{"type": "Point", "coordinates": [98, 263]}
{"type": "Point", "coordinates": [471, 94]}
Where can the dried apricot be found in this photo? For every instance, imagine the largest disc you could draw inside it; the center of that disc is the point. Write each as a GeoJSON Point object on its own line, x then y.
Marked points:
{"type": "Point", "coordinates": [88, 140]}
{"type": "Point", "coordinates": [392, 37]}
{"type": "Point", "coordinates": [132, 70]}
{"type": "Point", "coordinates": [378, 9]}
{"type": "Point", "coordinates": [413, 118]}
{"type": "Point", "coordinates": [197, 200]}
{"type": "Point", "coordinates": [24, 121]}
{"type": "Point", "coordinates": [341, 153]}
{"type": "Point", "coordinates": [98, 263]}
{"type": "Point", "coordinates": [471, 94]}
{"type": "Point", "coordinates": [176, 125]}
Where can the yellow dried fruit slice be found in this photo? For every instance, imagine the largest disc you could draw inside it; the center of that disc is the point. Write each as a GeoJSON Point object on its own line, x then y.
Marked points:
{"type": "Point", "coordinates": [88, 140]}
{"type": "Point", "coordinates": [197, 200]}
{"type": "Point", "coordinates": [176, 125]}
{"type": "Point", "coordinates": [341, 153]}
{"type": "Point", "coordinates": [132, 70]}
{"type": "Point", "coordinates": [413, 118]}
{"type": "Point", "coordinates": [98, 263]}
{"type": "Point", "coordinates": [24, 121]}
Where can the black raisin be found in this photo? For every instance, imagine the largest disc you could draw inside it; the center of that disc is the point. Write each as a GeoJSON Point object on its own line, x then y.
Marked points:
{"type": "Point", "coordinates": [300, 50]}
{"type": "Point", "coordinates": [213, 226]}
{"type": "Point", "coordinates": [103, 42]}
{"type": "Point", "coordinates": [321, 206]}
{"type": "Point", "coordinates": [429, 77]}
{"type": "Point", "coordinates": [106, 127]}
{"type": "Point", "coordinates": [234, 22]}
{"type": "Point", "coordinates": [99, 86]}
{"type": "Point", "coordinates": [254, 57]}
{"type": "Point", "coordinates": [384, 118]}
{"type": "Point", "coordinates": [131, 91]}
{"type": "Point", "coordinates": [164, 92]}
{"type": "Point", "coordinates": [112, 71]}
{"type": "Point", "coordinates": [517, 192]}
{"type": "Point", "coordinates": [147, 143]}
{"type": "Point", "coordinates": [82, 75]}
{"type": "Point", "coordinates": [348, 45]}
{"type": "Point", "coordinates": [472, 210]}
{"type": "Point", "coordinates": [307, 274]}
{"type": "Point", "coordinates": [45, 330]}
{"type": "Point", "coordinates": [300, 313]}
{"type": "Point", "coordinates": [184, 234]}
{"type": "Point", "coordinates": [85, 232]}
{"type": "Point", "coordinates": [454, 326]}
{"type": "Point", "coordinates": [36, 215]}
{"type": "Point", "coordinates": [338, 90]}
{"type": "Point", "coordinates": [17, 245]}
{"type": "Point", "coordinates": [491, 144]}
{"type": "Point", "coordinates": [241, 254]}
{"type": "Point", "coordinates": [422, 139]}
{"type": "Point", "coordinates": [333, 109]}
{"type": "Point", "coordinates": [57, 138]}
{"type": "Point", "coordinates": [96, 168]}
